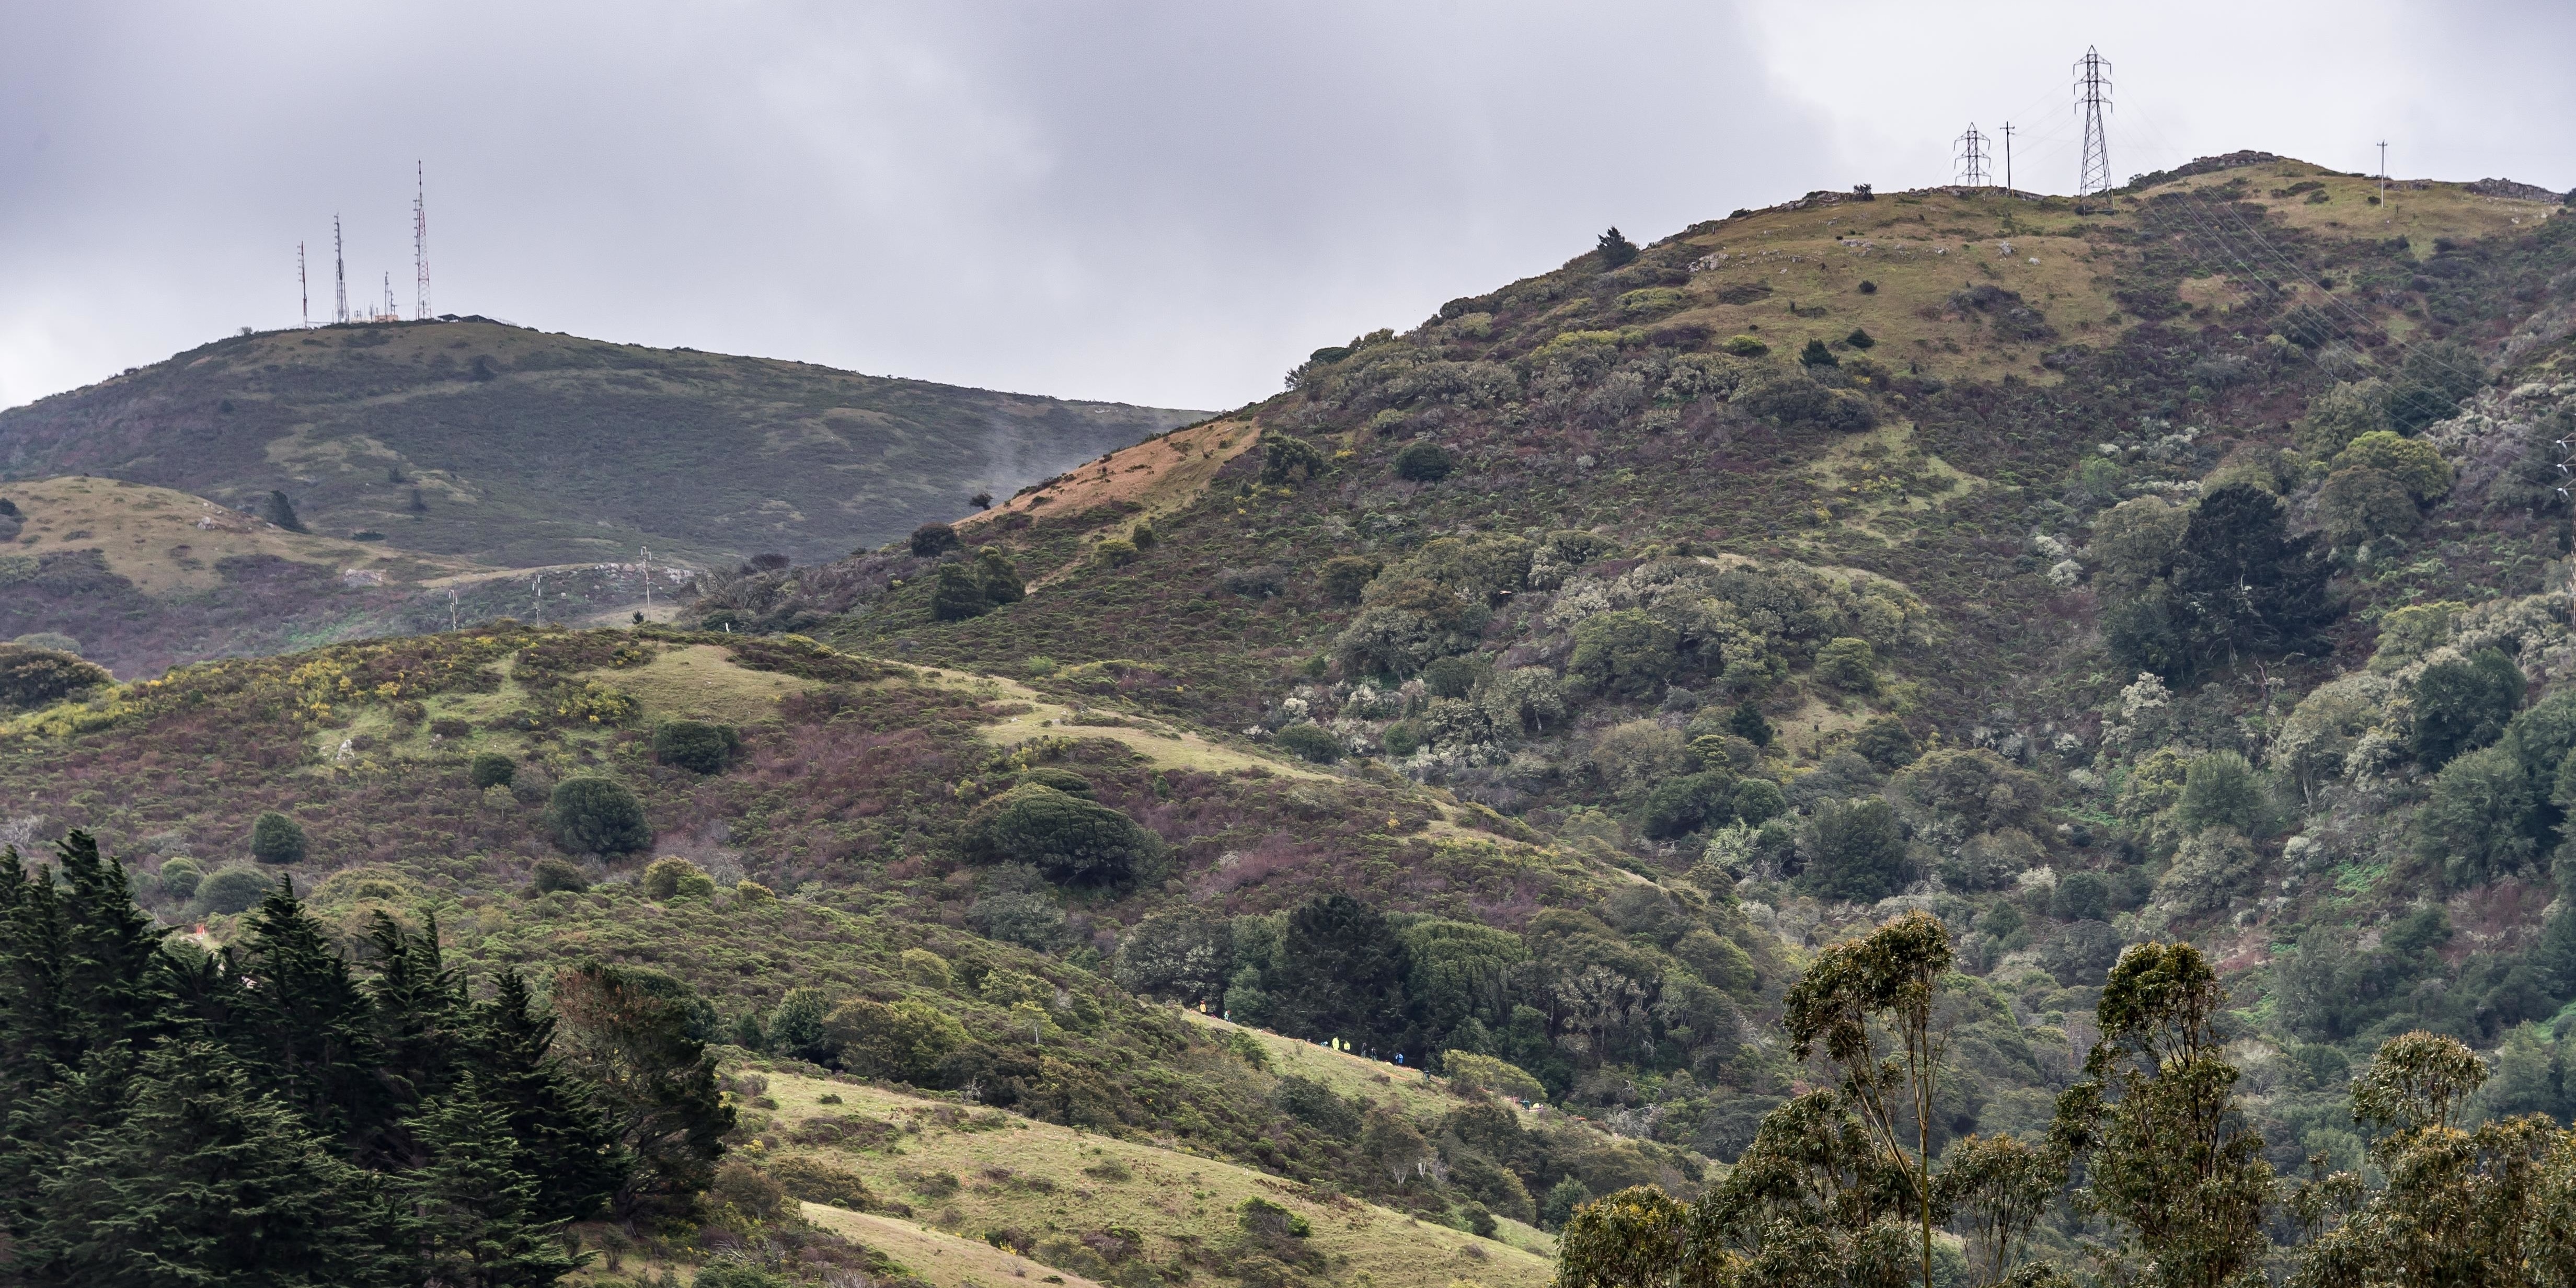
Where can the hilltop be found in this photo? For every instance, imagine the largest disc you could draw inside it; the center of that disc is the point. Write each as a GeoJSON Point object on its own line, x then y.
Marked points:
{"type": "Point", "coordinates": [514, 447]}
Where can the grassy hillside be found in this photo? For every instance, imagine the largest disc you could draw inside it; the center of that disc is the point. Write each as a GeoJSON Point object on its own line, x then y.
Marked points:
{"type": "Point", "coordinates": [515, 447]}
{"type": "Point", "coordinates": [143, 578]}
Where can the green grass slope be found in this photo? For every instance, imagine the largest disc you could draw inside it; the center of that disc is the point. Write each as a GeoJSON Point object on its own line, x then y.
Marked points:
{"type": "Point", "coordinates": [516, 447]}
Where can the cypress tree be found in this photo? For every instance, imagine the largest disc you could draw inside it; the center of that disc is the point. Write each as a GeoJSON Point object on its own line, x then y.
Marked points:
{"type": "Point", "coordinates": [420, 1005]}
{"type": "Point", "coordinates": [202, 1180]}
{"type": "Point", "coordinates": [476, 1215]}
{"type": "Point", "coordinates": [577, 1160]}
{"type": "Point", "coordinates": [2242, 583]}
{"type": "Point", "coordinates": [628, 1034]}
{"type": "Point", "coordinates": [310, 1027]}
{"type": "Point", "coordinates": [1341, 972]}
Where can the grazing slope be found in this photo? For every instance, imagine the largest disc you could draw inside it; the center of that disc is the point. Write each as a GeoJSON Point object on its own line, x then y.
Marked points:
{"type": "Point", "coordinates": [517, 447]}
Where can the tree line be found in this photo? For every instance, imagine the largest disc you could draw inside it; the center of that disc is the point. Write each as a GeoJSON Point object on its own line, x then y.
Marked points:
{"type": "Point", "coordinates": [277, 1114]}
{"type": "Point", "coordinates": [2150, 1155]}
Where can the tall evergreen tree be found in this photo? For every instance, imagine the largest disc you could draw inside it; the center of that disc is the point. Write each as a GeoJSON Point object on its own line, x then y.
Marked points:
{"type": "Point", "coordinates": [577, 1159]}
{"type": "Point", "coordinates": [1340, 972]}
{"type": "Point", "coordinates": [309, 1026]}
{"type": "Point", "coordinates": [202, 1180]}
{"type": "Point", "coordinates": [476, 1215]}
{"type": "Point", "coordinates": [2242, 584]}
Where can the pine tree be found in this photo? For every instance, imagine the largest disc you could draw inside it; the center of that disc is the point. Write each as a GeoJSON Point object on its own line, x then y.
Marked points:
{"type": "Point", "coordinates": [578, 1160]}
{"type": "Point", "coordinates": [202, 1180]}
{"type": "Point", "coordinates": [2242, 584]}
{"type": "Point", "coordinates": [476, 1215]}
{"type": "Point", "coordinates": [310, 1029]}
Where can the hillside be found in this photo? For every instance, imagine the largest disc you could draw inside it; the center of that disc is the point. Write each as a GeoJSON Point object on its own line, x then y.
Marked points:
{"type": "Point", "coordinates": [514, 447]}
{"type": "Point", "coordinates": [1536, 695]}
{"type": "Point", "coordinates": [1910, 550]}
{"type": "Point", "coordinates": [144, 578]}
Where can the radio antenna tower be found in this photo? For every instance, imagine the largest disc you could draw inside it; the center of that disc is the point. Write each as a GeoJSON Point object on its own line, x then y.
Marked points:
{"type": "Point", "coordinates": [420, 242]}
{"type": "Point", "coordinates": [2093, 99]}
{"type": "Point", "coordinates": [339, 276]}
{"type": "Point", "coordinates": [1973, 155]}
{"type": "Point", "coordinates": [391, 314]}
{"type": "Point", "coordinates": [303, 287]}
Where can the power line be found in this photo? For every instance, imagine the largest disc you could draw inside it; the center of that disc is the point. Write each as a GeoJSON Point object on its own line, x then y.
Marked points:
{"type": "Point", "coordinates": [2093, 99]}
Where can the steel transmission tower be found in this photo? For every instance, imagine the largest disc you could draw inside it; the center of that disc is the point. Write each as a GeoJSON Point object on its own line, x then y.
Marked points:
{"type": "Point", "coordinates": [1973, 157]}
{"type": "Point", "coordinates": [339, 276]}
{"type": "Point", "coordinates": [420, 243]}
{"type": "Point", "coordinates": [2093, 99]}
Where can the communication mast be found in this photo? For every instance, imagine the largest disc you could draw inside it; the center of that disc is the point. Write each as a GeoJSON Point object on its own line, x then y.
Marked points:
{"type": "Point", "coordinates": [339, 276]}
{"type": "Point", "coordinates": [420, 241]}
{"type": "Point", "coordinates": [1973, 156]}
{"type": "Point", "coordinates": [2093, 100]}
{"type": "Point", "coordinates": [303, 287]}
{"type": "Point", "coordinates": [391, 313]}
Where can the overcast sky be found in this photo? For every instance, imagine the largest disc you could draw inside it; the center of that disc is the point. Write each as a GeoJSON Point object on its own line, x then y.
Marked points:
{"type": "Point", "coordinates": [1164, 203]}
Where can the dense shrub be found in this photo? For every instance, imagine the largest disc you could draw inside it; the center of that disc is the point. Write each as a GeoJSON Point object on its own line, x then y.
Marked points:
{"type": "Point", "coordinates": [1423, 461]}
{"type": "Point", "coordinates": [1680, 806]}
{"type": "Point", "coordinates": [1287, 460]}
{"type": "Point", "coordinates": [39, 677]}
{"type": "Point", "coordinates": [1063, 780]}
{"type": "Point", "coordinates": [2083, 896]}
{"type": "Point", "coordinates": [1449, 677]}
{"type": "Point", "coordinates": [2483, 818]}
{"type": "Point", "coordinates": [551, 875]}
{"type": "Point", "coordinates": [1848, 664]}
{"type": "Point", "coordinates": [2222, 789]}
{"type": "Point", "coordinates": [590, 814]}
{"type": "Point", "coordinates": [280, 511]}
{"type": "Point", "coordinates": [275, 838]}
{"type": "Point", "coordinates": [976, 587]}
{"type": "Point", "coordinates": [1745, 346]}
{"type": "Point", "coordinates": [2431, 383]}
{"type": "Point", "coordinates": [1854, 851]}
{"type": "Point", "coordinates": [2414, 463]}
{"type": "Point", "coordinates": [232, 890]}
{"type": "Point", "coordinates": [180, 877]}
{"type": "Point", "coordinates": [2463, 703]}
{"type": "Point", "coordinates": [1307, 740]}
{"type": "Point", "coordinates": [2361, 504]}
{"type": "Point", "coordinates": [932, 540]}
{"type": "Point", "coordinates": [1343, 576]}
{"type": "Point", "coordinates": [1816, 354]}
{"type": "Point", "coordinates": [905, 1040]}
{"type": "Point", "coordinates": [675, 878]}
{"type": "Point", "coordinates": [1183, 956]}
{"type": "Point", "coordinates": [1759, 800]}
{"type": "Point", "coordinates": [1747, 723]}
{"type": "Point", "coordinates": [1795, 402]}
{"type": "Point", "coordinates": [1628, 652]}
{"type": "Point", "coordinates": [491, 769]}
{"type": "Point", "coordinates": [1885, 742]}
{"type": "Point", "coordinates": [696, 745]}
{"type": "Point", "coordinates": [1072, 840]}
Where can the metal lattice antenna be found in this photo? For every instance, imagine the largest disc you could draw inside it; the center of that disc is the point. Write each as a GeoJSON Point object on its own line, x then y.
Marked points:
{"type": "Point", "coordinates": [339, 276]}
{"type": "Point", "coordinates": [420, 241]}
{"type": "Point", "coordinates": [2093, 100]}
{"type": "Point", "coordinates": [1972, 156]}
{"type": "Point", "coordinates": [303, 286]}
